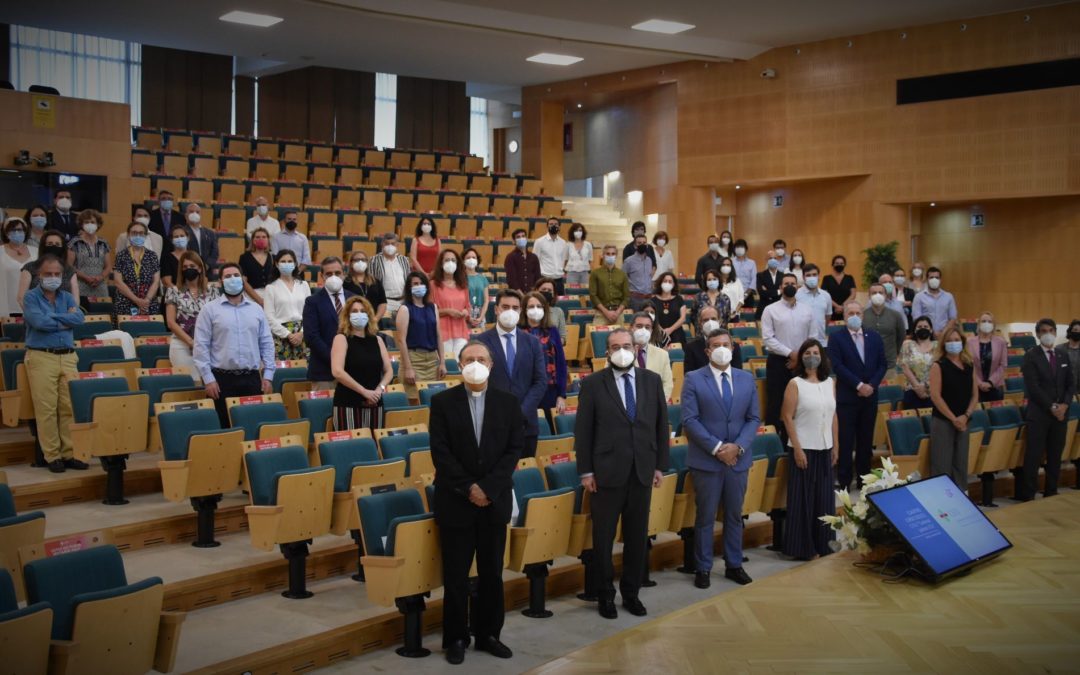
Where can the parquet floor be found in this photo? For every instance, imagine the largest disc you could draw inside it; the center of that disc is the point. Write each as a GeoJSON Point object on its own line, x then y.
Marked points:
{"type": "Point", "coordinates": [1018, 614]}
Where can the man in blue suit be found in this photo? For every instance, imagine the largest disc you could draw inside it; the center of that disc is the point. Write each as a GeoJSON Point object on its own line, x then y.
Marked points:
{"type": "Point", "coordinates": [858, 359]}
{"type": "Point", "coordinates": [720, 415]}
{"type": "Point", "coordinates": [519, 365]}
{"type": "Point", "coordinates": [321, 315]}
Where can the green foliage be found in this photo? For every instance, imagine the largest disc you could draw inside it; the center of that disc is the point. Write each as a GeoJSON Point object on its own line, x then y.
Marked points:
{"type": "Point", "coordinates": [880, 259]}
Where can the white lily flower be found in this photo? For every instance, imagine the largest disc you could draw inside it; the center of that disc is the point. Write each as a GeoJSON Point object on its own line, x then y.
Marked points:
{"type": "Point", "coordinates": [844, 497]}
{"type": "Point", "coordinates": [860, 509]}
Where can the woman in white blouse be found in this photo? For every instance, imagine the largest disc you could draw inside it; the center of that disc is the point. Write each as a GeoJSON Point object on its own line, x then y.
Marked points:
{"type": "Point", "coordinates": [731, 287]}
{"type": "Point", "coordinates": [579, 260]}
{"type": "Point", "coordinates": [283, 301]}
{"type": "Point", "coordinates": [665, 262]}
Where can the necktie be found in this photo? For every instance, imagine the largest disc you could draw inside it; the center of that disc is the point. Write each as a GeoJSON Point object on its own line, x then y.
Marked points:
{"type": "Point", "coordinates": [860, 346]}
{"type": "Point", "coordinates": [631, 404]}
{"type": "Point", "coordinates": [337, 303]}
{"type": "Point", "coordinates": [1053, 360]}
{"type": "Point", "coordinates": [725, 392]}
{"type": "Point", "coordinates": [510, 354]}
{"type": "Point", "coordinates": [165, 222]}
{"type": "Point", "coordinates": [641, 357]}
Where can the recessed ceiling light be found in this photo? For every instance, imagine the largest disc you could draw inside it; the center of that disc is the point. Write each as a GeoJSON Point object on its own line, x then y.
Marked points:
{"type": "Point", "coordinates": [579, 106]}
{"type": "Point", "coordinates": [251, 19]}
{"type": "Point", "coordinates": [662, 26]}
{"type": "Point", "coordinates": [933, 203]}
{"type": "Point", "coordinates": [738, 187]}
{"type": "Point", "coordinates": [554, 59]}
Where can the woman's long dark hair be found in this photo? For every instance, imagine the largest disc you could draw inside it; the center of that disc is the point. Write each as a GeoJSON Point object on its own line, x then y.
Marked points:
{"type": "Point", "coordinates": [823, 370]}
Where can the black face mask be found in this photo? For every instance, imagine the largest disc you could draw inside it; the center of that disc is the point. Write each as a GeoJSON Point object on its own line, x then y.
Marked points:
{"type": "Point", "coordinates": [838, 268]}
{"type": "Point", "coordinates": [290, 225]}
{"type": "Point", "coordinates": [789, 291]}
{"type": "Point", "coordinates": [549, 296]}
{"type": "Point", "coordinates": [641, 248]}
{"type": "Point", "coordinates": [922, 334]}
{"type": "Point", "coordinates": [1074, 336]}
{"type": "Point", "coordinates": [57, 251]}
{"type": "Point", "coordinates": [553, 229]}
{"type": "Point", "coordinates": [191, 274]}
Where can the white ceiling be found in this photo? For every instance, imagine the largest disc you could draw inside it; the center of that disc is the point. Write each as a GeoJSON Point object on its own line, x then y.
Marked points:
{"type": "Point", "coordinates": [486, 42]}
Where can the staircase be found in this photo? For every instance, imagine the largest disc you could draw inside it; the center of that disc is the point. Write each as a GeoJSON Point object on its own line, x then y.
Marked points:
{"type": "Point", "coordinates": [603, 223]}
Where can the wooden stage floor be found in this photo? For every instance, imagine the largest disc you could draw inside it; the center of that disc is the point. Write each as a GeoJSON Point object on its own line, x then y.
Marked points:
{"type": "Point", "coordinates": [1017, 614]}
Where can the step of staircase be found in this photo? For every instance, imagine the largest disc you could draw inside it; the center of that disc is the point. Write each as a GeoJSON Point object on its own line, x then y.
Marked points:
{"type": "Point", "coordinates": [604, 223]}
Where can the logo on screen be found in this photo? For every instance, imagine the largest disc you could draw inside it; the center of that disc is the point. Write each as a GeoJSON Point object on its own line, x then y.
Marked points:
{"type": "Point", "coordinates": [944, 516]}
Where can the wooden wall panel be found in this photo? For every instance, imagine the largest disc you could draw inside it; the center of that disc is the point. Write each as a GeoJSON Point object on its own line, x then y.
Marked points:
{"type": "Point", "coordinates": [245, 105]}
{"type": "Point", "coordinates": [432, 114]}
{"type": "Point", "coordinates": [186, 90]}
{"type": "Point", "coordinates": [311, 103]}
{"type": "Point", "coordinates": [355, 107]}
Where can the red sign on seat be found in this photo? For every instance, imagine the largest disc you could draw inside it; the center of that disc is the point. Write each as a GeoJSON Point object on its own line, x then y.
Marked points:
{"type": "Point", "coordinates": [248, 400]}
{"type": "Point", "coordinates": [268, 443]}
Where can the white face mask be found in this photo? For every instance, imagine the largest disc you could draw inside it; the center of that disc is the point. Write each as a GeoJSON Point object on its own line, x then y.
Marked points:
{"type": "Point", "coordinates": [797, 259]}
{"type": "Point", "coordinates": [470, 263]}
{"type": "Point", "coordinates": [740, 251]}
{"type": "Point", "coordinates": [1047, 340]}
{"type": "Point", "coordinates": [194, 218]}
{"type": "Point", "coordinates": [935, 283]}
{"type": "Point", "coordinates": [642, 335]}
{"type": "Point", "coordinates": [509, 318]}
{"type": "Point", "coordinates": [449, 267]}
{"type": "Point", "coordinates": [333, 284]}
{"type": "Point", "coordinates": [725, 269]}
{"type": "Point", "coordinates": [720, 357]}
{"type": "Point", "coordinates": [143, 220]}
{"type": "Point", "coordinates": [622, 358]}
{"type": "Point", "coordinates": [667, 286]}
{"type": "Point", "coordinates": [780, 253]}
{"type": "Point", "coordinates": [389, 250]}
{"type": "Point", "coordinates": [987, 326]}
{"type": "Point", "coordinates": [578, 234]}
{"type": "Point", "coordinates": [89, 228]}
{"type": "Point", "coordinates": [263, 210]}
{"type": "Point", "coordinates": [475, 373]}
{"type": "Point", "coordinates": [360, 266]}
{"type": "Point", "coordinates": [709, 326]}
{"type": "Point", "coordinates": [535, 313]}
{"type": "Point", "coordinates": [916, 272]}
{"type": "Point", "coordinates": [63, 204]}
{"type": "Point", "coordinates": [661, 243]}
{"type": "Point", "coordinates": [877, 299]}
{"type": "Point", "coordinates": [425, 228]}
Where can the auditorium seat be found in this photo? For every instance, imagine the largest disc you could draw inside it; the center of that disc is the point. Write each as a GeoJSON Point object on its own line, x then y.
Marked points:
{"type": "Point", "coordinates": [540, 534]}
{"type": "Point", "coordinates": [291, 504]}
{"type": "Point", "coordinates": [109, 422]}
{"type": "Point", "coordinates": [252, 412]}
{"type": "Point", "coordinates": [1023, 341]}
{"type": "Point", "coordinates": [107, 624]}
{"type": "Point", "coordinates": [24, 633]}
{"type": "Point", "coordinates": [564, 424]}
{"type": "Point", "coordinates": [909, 445]}
{"type": "Point", "coordinates": [202, 462]}
{"type": "Point", "coordinates": [356, 461]}
{"type": "Point", "coordinates": [978, 427]}
{"type": "Point", "coordinates": [661, 508]}
{"type": "Point", "coordinates": [17, 531]}
{"type": "Point", "coordinates": [317, 407]}
{"type": "Point", "coordinates": [410, 443]}
{"type": "Point", "coordinates": [554, 445]}
{"type": "Point", "coordinates": [403, 417]}
{"type": "Point", "coordinates": [403, 560]}
{"type": "Point", "coordinates": [143, 324]}
{"type": "Point", "coordinates": [1000, 439]}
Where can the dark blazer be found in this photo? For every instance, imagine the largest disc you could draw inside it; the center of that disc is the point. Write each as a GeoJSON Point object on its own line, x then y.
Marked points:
{"type": "Point", "coordinates": [694, 355]}
{"type": "Point", "coordinates": [528, 382]}
{"type": "Point", "coordinates": [157, 224]}
{"type": "Point", "coordinates": [460, 462]}
{"type": "Point", "coordinates": [207, 248]}
{"type": "Point", "coordinates": [56, 222]}
{"type": "Point", "coordinates": [851, 370]}
{"type": "Point", "coordinates": [1043, 387]}
{"type": "Point", "coordinates": [768, 290]}
{"type": "Point", "coordinates": [320, 326]}
{"type": "Point", "coordinates": [607, 443]}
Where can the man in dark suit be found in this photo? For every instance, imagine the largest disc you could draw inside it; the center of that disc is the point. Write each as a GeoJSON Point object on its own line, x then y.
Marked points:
{"type": "Point", "coordinates": [720, 416]}
{"type": "Point", "coordinates": [203, 240]}
{"type": "Point", "coordinates": [164, 218]}
{"type": "Point", "coordinates": [476, 440]}
{"type": "Point", "coordinates": [621, 441]}
{"type": "Point", "coordinates": [518, 363]}
{"type": "Point", "coordinates": [768, 286]}
{"type": "Point", "coordinates": [1048, 381]}
{"type": "Point", "coordinates": [61, 217]}
{"type": "Point", "coordinates": [322, 311]}
{"type": "Point", "coordinates": [858, 359]}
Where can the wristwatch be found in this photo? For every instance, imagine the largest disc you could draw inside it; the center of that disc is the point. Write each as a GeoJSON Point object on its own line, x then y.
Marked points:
{"type": "Point", "coordinates": [741, 450]}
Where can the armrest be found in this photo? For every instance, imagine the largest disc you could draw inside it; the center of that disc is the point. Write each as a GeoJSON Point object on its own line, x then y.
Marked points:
{"type": "Point", "coordinates": [521, 532]}
{"type": "Point", "coordinates": [60, 652]}
{"type": "Point", "coordinates": [77, 427]}
{"type": "Point", "coordinates": [386, 561]}
{"type": "Point", "coordinates": [168, 640]}
{"type": "Point", "coordinates": [173, 464]}
{"type": "Point", "coordinates": [264, 510]}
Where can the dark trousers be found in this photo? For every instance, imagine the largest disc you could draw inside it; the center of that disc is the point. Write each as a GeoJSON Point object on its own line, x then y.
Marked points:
{"type": "Point", "coordinates": [529, 448]}
{"type": "Point", "coordinates": [777, 377]}
{"type": "Point", "coordinates": [487, 540]}
{"type": "Point", "coordinates": [631, 501]}
{"type": "Point", "coordinates": [994, 394]}
{"type": "Point", "coordinates": [856, 422]}
{"type": "Point", "coordinates": [913, 402]}
{"type": "Point", "coordinates": [809, 496]}
{"type": "Point", "coordinates": [1044, 435]}
{"type": "Point", "coordinates": [247, 384]}
{"type": "Point", "coordinates": [560, 286]}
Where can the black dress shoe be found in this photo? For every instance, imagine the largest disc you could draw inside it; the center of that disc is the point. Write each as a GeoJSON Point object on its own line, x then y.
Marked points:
{"type": "Point", "coordinates": [75, 464]}
{"type": "Point", "coordinates": [455, 653]}
{"type": "Point", "coordinates": [634, 606]}
{"type": "Point", "coordinates": [57, 466]}
{"type": "Point", "coordinates": [702, 580]}
{"type": "Point", "coordinates": [606, 607]}
{"type": "Point", "coordinates": [494, 647]}
{"type": "Point", "coordinates": [738, 575]}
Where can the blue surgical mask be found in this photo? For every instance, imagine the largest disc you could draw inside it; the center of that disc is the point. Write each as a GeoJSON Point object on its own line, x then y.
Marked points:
{"type": "Point", "coordinates": [773, 263]}
{"type": "Point", "coordinates": [51, 283]}
{"type": "Point", "coordinates": [166, 204]}
{"type": "Point", "coordinates": [854, 322]}
{"type": "Point", "coordinates": [521, 242]}
{"type": "Point", "coordinates": [17, 236]}
{"type": "Point", "coordinates": [286, 268]}
{"type": "Point", "coordinates": [179, 242]}
{"type": "Point", "coordinates": [358, 319]}
{"type": "Point", "coordinates": [38, 222]}
{"type": "Point", "coordinates": [712, 284]}
{"type": "Point", "coordinates": [954, 348]}
{"type": "Point", "coordinates": [138, 241]}
{"type": "Point", "coordinates": [889, 288]}
{"type": "Point", "coordinates": [609, 260]}
{"type": "Point", "coordinates": [233, 285]}
{"type": "Point", "coordinates": [419, 291]}
{"type": "Point", "coordinates": [811, 282]}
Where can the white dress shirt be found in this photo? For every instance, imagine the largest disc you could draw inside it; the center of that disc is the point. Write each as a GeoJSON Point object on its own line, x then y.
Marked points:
{"type": "Point", "coordinates": [552, 252]}
{"type": "Point", "coordinates": [270, 224]}
{"type": "Point", "coordinates": [579, 260]}
{"type": "Point", "coordinates": [664, 263]}
{"type": "Point", "coordinates": [784, 327]}
{"type": "Point", "coordinates": [283, 305]}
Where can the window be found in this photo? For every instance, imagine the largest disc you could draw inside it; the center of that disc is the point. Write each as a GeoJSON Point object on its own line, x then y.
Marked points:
{"type": "Point", "coordinates": [81, 66]}
{"type": "Point", "coordinates": [478, 129]}
{"type": "Point", "coordinates": [385, 110]}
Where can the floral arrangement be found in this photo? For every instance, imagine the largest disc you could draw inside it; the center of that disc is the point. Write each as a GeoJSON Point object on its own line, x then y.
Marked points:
{"type": "Point", "coordinates": [858, 527]}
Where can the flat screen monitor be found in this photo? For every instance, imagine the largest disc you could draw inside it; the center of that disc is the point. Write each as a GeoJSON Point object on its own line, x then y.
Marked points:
{"type": "Point", "coordinates": [19, 190]}
{"type": "Point", "coordinates": [946, 530]}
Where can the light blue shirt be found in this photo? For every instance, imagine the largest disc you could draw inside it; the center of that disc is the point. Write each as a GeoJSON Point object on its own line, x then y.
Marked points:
{"type": "Point", "coordinates": [233, 337]}
{"type": "Point", "coordinates": [293, 241]}
{"type": "Point", "coordinates": [820, 304]}
{"type": "Point", "coordinates": [639, 271]}
{"type": "Point", "coordinates": [746, 271]}
{"type": "Point", "coordinates": [49, 324]}
{"type": "Point", "coordinates": [620, 383]}
{"type": "Point", "coordinates": [898, 305]}
{"type": "Point", "coordinates": [941, 308]}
